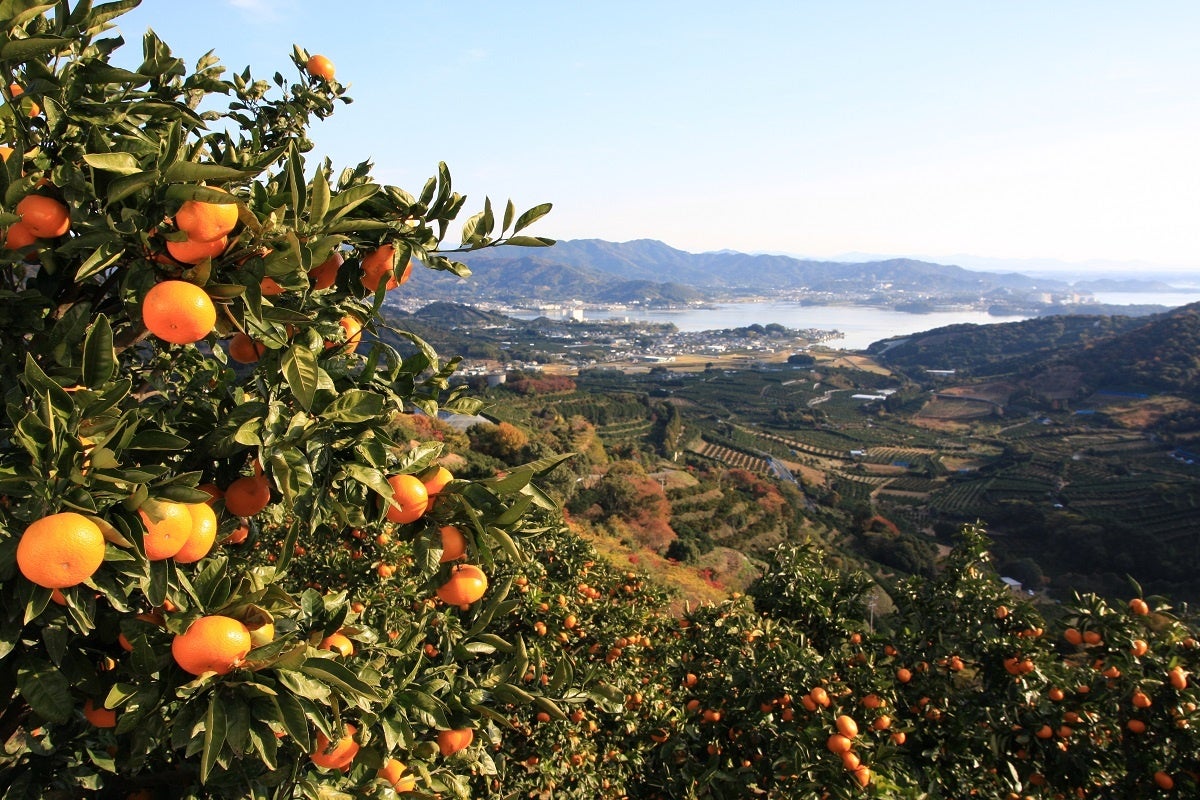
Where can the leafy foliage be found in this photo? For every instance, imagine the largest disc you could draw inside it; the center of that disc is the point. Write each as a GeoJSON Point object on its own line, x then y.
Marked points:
{"type": "Point", "coordinates": [102, 417]}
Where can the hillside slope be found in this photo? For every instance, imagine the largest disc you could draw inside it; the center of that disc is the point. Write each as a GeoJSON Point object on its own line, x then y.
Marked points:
{"type": "Point", "coordinates": [1156, 354]}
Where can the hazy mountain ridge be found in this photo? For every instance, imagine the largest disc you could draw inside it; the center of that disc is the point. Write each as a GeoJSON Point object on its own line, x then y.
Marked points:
{"type": "Point", "coordinates": [514, 275]}
{"type": "Point", "coordinates": [651, 272]}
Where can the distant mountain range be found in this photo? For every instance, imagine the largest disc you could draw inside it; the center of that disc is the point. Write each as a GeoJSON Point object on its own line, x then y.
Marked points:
{"type": "Point", "coordinates": [651, 272]}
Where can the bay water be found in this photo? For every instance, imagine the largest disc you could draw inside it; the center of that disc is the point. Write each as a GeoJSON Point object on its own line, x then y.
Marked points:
{"type": "Point", "coordinates": [859, 325]}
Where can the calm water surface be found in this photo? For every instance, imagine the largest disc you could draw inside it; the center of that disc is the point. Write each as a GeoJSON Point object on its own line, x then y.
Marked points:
{"type": "Point", "coordinates": [860, 325]}
{"type": "Point", "coordinates": [1168, 299]}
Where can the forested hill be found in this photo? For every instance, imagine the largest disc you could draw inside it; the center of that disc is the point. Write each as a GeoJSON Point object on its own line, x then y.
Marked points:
{"type": "Point", "coordinates": [1160, 353]}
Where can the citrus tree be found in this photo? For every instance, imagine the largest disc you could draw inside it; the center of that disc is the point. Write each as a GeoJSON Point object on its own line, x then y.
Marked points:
{"type": "Point", "coordinates": [222, 573]}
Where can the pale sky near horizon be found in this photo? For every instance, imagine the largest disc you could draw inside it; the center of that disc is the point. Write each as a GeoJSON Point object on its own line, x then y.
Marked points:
{"type": "Point", "coordinates": [1018, 130]}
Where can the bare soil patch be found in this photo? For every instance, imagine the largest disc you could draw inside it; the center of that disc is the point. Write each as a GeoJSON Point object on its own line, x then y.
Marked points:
{"type": "Point", "coordinates": [1140, 414]}
{"type": "Point", "coordinates": [947, 408]}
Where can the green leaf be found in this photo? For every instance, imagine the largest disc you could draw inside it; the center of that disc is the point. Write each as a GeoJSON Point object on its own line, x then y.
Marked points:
{"type": "Point", "coordinates": [549, 706]}
{"type": "Point", "coordinates": [19, 50]}
{"type": "Point", "coordinates": [563, 674]}
{"type": "Point", "coordinates": [47, 690]}
{"type": "Point", "coordinates": [17, 12]}
{"type": "Point", "coordinates": [99, 357]}
{"type": "Point", "coordinates": [421, 456]}
{"type": "Point", "coordinates": [332, 673]}
{"type": "Point", "coordinates": [104, 12]}
{"type": "Point", "coordinates": [473, 231]}
{"type": "Point", "coordinates": [428, 709]}
{"type": "Point", "coordinates": [373, 479]}
{"type": "Point", "coordinates": [354, 405]}
{"type": "Point", "coordinates": [520, 505]}
{"type": "Point", "coordinates": [295, 175]}
{"type": "Point", "coordinates": [294, 476]}
{"type": "Point", "coordinates": [343, 203]}
{"type": "Point", "coordinates": [214, 735]}
{"type": "Point", "coordinates": [318, 201]}
{"type": "Point", "coordinates": [291, 716]}
{"type": "Point", "coordinates": [509, 211]}
{"type": "Point", "coordinates": [34, 435]}
{"type": "Point", "coordinates": [158, 440]}
{"type": "Point", "coordinates": [191, 172]}
{"type": "Point", "coordinates": [237, 728]}
{"type": "Point", "coordinates": [531, 216]}
{"type": "Point", "coordinates": [302, 374]}
{"type": "Point", "coordinates": [182, 192]}
{"type": "Point", "coordinates": [96, 72]}
{"type": "Point", "coordinates": [126, 185]}
{"type": "Point", "coordinates": [529, 241]}
{"type": "Point", "coordinates": [507, 544]}
{"type": "Point", "coordinates": [101, 259]}
{"type": "Point", "coordinates": [42, 386]}
{"type": "Point", "coordinates": [356, 224]}
{"type": "Point", "coordinates": [121, 163]}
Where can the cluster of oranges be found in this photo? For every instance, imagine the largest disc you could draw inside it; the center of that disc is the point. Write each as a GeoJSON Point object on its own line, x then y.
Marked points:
{"type": "Point", "coordinates": [841, 743]}
{"type": "Point", "coordinates": [181, 312]}
{"type": "Point", "coordinates": [184, 532]}
{"type": "Point", "coordinates": [339, 754]}
{"type": "Point", "coordinates": [206, 228]}
{"type": "Point", "coordinates": [42, 217]}
{"type": "Point", "coordinates": [65, 549]}
{"type": "Point", "coordinates": [412, 498]}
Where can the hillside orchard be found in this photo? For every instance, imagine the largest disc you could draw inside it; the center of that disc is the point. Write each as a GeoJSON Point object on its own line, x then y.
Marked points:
{"type": "Point", "coordinates": [236, 560]}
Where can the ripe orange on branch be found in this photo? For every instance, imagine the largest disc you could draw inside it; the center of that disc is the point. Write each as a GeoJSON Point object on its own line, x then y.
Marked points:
{"type": "Point", "coordinates": [60, 550]}
{"type": "Point", "coordinates": [193, 252]}
{"type": "Point", "coordinates": [410, 495]}
{"type": "Point", "coordinates": [339, 755]}
{"type": "Point", "coordinates": [378, 266]}
{"type": "Point", "coordinates": [211, 644]}
{"type": "Point", "coordinates": [847, 726]}
{"type": "Point", "coordinates": [452, 741]}
{"type": "Point", "coordinates": [397, 775]}
{"type": "Point", "coordinates": [353, 327]}
{"type": "Point", "coordinates": [203, 535]}
{"type": "Point", "coordinates": [467, 583]}
{"type": "Point", "coordinates": [18, 236]}
{"type": "Point", "coordinates": [101, 717]}
{"type": "Point", "coordinates": [206, 222]}
{"type": "Point", "coordinates": [319, 66]}
{"type": "Point", "coordinates": [838, 744]}
{"type": "Point", "coordinates": [44, 217]}
{"type": "Point", "coordinates": [338, 643]}
{"type": "Point", "coordinates": [16, 90]}
{"type": "Point", "coordinates": [245, 350]}
{"type": "Point", "coordinates": [168, 526]}
{"type": "Point", "coordinates": [325, 274]}
{"type": "Point", "coordinates": [435, 480]}
{"type": "Point", "coordinates": [247, 495]}
{"type": "Point", "coordinates": [178, 312]}
{"type": "Point", "coordinates": [454, 544]}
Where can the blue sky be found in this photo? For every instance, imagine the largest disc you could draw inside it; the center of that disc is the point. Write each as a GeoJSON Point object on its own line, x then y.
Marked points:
{"type": "Point", "coordinates": [1011, 130]}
